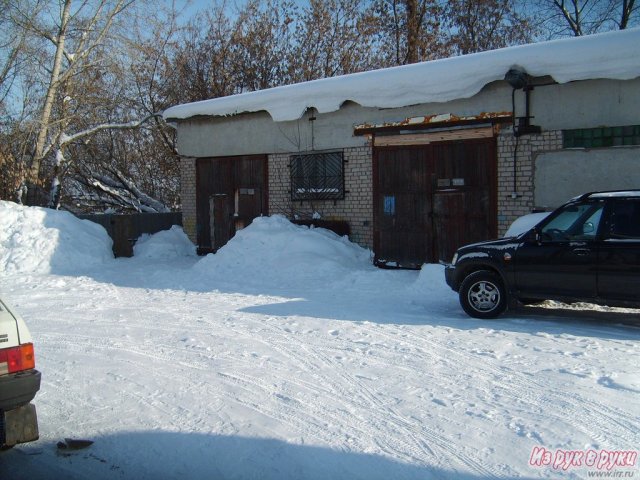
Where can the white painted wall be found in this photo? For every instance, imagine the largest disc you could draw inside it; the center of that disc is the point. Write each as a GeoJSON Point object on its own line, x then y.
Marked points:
{"type": "Point", "coordinates": [564, 174]}
{"type": "Point", "coordinates": [583, 104]}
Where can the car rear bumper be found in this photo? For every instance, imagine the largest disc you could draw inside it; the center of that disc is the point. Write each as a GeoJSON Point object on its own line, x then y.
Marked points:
{"type": "Point", "coordinates": [18, 389]}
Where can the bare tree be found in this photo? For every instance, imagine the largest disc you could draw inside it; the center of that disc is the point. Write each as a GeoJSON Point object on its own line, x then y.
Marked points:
{"type": "Point", "coordinates": [479, 25]}
{"type": "Point", "coordinates": [132, 169]}
{"type": "Point", "coordinates": [203, 62]}
{"type": "Point", "coordinates": [262, 43]}
{"type": "Point", "coordinates": [74, 35]}
{"type": "Point", "coordinates": [333, 37]}
{"type": "Point", "coordinates": [409, 30]}
{"type": "Point", "coordinates": [87, 75]}
{"type": "Point", "coordinates": [12, 46]}
{"type": "Point", "coordinates": [585, 17]}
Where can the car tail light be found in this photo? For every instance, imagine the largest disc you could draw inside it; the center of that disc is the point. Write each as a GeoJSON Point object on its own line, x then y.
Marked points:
{"type": "Point", "coordinates": [17, 359]}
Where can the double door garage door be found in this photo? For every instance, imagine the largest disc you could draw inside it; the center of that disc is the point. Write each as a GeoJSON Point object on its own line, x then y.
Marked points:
{"type": "Point", "coordinates": [431, 199]}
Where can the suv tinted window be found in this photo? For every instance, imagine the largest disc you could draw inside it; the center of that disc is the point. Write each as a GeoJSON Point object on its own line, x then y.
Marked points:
{"type": "Point", "coordinates": [575, 222]}
{"type": "Point", "coordinates": [625, 220]}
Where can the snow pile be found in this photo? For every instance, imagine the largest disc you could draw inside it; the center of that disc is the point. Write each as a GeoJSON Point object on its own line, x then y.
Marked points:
{"type": "Point", "coordinates": [40, 240]}
{"type": "Point", "coordinates": [431, 282]}
{"type": "Point", "coordinates": [431, 292]}
{"type": "Point", "coordinates": [275, 251]}
{"type": "Point", "coordinates": [525, 223]}
{"type": "Point", "coordinates": [165, 244]}
{"type": "Point", "coordinates": [608, 55]}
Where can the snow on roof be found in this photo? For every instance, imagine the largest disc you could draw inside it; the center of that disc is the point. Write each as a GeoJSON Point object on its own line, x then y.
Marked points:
{"type": "Point", "coordinates": [611, 55]}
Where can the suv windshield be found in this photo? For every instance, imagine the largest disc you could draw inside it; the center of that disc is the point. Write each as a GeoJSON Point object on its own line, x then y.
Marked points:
{"type": "Point", "coordinates": [575, 222]}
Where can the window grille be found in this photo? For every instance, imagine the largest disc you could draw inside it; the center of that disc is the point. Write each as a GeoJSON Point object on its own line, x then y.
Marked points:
{"type": "Point", "coordinates": [601, 137]}
{"type": "Point", "coordinates": [317, 176]}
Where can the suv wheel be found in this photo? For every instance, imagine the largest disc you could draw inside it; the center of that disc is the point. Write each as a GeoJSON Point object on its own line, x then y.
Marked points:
{"type": "Point", "coordinates": [482, 295]}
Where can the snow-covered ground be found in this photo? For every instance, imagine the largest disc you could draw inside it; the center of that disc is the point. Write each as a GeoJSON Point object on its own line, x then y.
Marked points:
{"type": "Point", "coordinates": [288, 356]}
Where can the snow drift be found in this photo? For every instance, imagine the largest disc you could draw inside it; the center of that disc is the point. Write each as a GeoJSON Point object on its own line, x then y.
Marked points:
{"type": "Point", "coordinates": [165, 244]}
{"type": "Point", "coordinates": [41, 240]}
{"type": "Point", "coordinates": [275, 251]}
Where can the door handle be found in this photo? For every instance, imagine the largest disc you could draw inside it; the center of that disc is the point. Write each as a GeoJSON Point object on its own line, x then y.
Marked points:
{"type": "Point", "coordinates": [581, 251]}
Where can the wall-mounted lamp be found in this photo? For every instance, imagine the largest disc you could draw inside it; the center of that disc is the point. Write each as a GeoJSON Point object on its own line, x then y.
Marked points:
{"type": "Point", "coordinates": [519, 79]}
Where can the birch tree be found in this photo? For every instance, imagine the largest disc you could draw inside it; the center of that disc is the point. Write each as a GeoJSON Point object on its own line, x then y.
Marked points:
{"type": "Point", "coordinates": [92, 80]}
{"type": "Point", "coordinates": [71, 33]}
{"type": "Point", "coordinates": [131, 166]}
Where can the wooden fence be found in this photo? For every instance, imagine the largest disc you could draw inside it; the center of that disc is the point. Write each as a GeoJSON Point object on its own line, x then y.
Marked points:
{"type": "Point", "coordinates": [124, 230]}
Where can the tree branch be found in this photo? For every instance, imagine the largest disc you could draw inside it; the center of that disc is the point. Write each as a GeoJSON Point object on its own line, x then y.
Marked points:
{"type": "Point", "coordinates": [67, 139]}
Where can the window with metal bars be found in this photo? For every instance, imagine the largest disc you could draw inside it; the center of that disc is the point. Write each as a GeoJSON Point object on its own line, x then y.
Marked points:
{"type": "Point", "coordinates": [317, 176]}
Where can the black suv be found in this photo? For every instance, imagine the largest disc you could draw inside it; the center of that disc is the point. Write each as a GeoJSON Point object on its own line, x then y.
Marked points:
{"type": "Point", "coordinates": [588, 250]}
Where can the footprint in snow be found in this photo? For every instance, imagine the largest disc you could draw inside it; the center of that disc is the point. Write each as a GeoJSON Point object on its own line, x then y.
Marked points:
{"type": "Point", "coordinates": [611, 383]}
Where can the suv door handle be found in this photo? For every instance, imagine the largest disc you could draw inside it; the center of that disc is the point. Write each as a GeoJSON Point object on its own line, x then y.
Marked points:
{"type": "Point", "coordinates": [581, 251]}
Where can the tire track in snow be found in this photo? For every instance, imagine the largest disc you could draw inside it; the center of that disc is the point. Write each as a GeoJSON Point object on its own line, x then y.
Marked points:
{"type": "Point", "coordinates": [366, 400]}
{"type": "Point", "coordinates": [391, 418]}
{"type": "Point", "coordinates": [343, 416]}
{"type": "Point", "coordinates": [599, 417]}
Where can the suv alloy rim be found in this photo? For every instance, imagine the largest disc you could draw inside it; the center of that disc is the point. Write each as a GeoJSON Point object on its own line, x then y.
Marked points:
{"type": "Point", "coordinates": [484, 296]}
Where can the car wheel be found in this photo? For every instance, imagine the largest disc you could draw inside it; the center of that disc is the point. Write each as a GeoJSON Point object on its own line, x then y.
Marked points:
{"type": "Point", "coordinates": [482, 295]}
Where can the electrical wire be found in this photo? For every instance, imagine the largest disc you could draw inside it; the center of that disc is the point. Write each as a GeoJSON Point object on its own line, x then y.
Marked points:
{"type": "Point", "coordinates": [517, 142]}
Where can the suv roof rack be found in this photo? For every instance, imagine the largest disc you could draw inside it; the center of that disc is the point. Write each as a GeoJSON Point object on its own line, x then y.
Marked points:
{"type": "Point", "coordinates": [612, 193]}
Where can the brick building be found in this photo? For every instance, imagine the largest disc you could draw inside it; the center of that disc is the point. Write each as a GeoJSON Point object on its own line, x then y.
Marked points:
{"type": "Point", "coordinates": [422, 158]}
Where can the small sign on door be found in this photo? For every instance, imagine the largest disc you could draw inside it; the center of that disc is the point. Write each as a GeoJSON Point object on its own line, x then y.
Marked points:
{"type": "Point", "coordinates": [389, 205]}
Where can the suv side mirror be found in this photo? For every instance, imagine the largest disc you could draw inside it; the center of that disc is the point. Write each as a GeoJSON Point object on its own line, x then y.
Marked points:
{"type": "Point", "coordinates": [532, 235]}
{"type": "Point", "coordinates": [588, 228]}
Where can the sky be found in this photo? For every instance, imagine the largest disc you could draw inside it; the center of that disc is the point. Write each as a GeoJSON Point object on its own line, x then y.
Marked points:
{"type": "Point", "coordinates": [195, 6]}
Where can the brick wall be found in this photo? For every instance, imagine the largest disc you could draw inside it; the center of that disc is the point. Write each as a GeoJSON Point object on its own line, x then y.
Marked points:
{"type": "Point", "coordinates": [356, 208]}
{"type": "Point", "coordinates": [188, 196]}
{"type": "Point", "coordinates": [512, 206]}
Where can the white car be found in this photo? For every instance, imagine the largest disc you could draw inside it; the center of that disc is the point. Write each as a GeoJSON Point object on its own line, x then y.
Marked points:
{"type": "Point", "coordinates": [19, 380]}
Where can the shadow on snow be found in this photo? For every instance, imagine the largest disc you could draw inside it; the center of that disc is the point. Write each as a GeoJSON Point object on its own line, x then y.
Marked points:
{"type": "Point", "coordinates": [162, 455]}
{"type": "Point", "coordinates": [371, 295]}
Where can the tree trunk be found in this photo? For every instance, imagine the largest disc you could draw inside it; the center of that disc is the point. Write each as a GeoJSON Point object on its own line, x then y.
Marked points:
{"type": "Point", "coordinates": [627, 9]}
{"type": "Point", "coordinates": [413, 29]}
{"type": "Point", "coordinates": [33, 179]}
